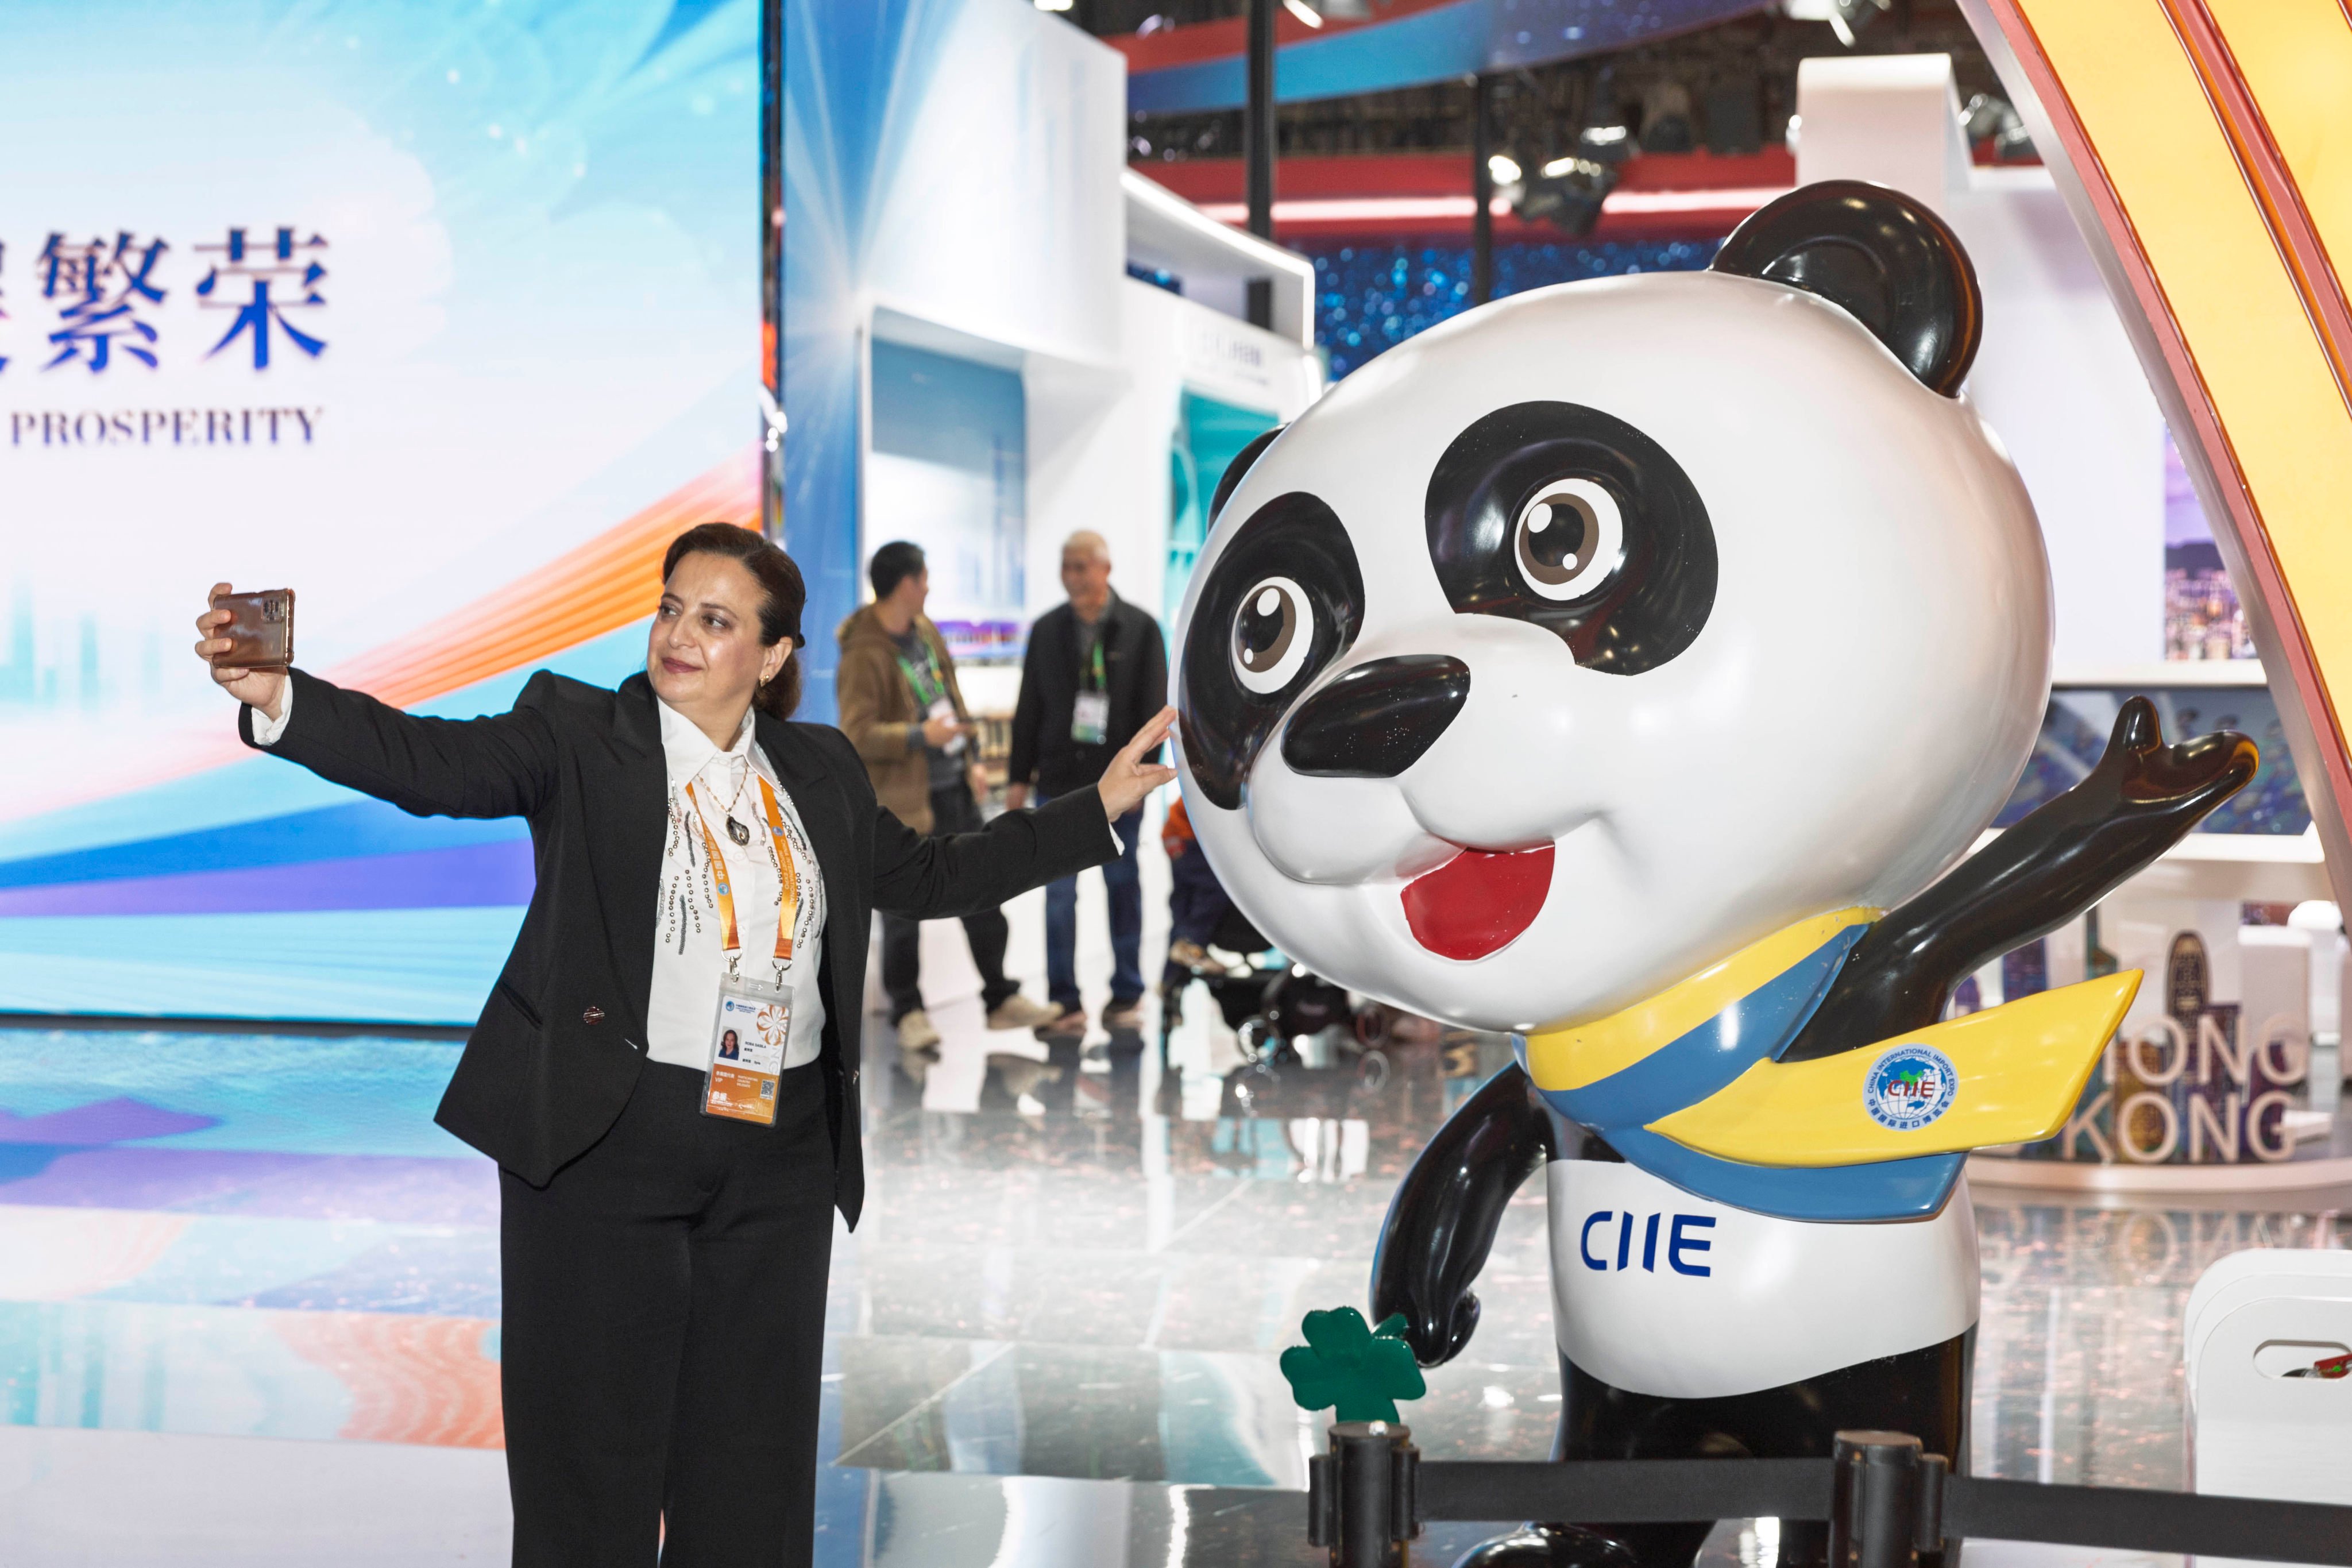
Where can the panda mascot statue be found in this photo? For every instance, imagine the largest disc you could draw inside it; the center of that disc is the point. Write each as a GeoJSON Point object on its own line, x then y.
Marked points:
{"type": "Point", "coordinates": [1631, 666]}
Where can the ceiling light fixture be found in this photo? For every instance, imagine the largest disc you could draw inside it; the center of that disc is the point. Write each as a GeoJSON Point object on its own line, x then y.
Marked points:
{"type": "Point", "coordinates": [1568, 192]}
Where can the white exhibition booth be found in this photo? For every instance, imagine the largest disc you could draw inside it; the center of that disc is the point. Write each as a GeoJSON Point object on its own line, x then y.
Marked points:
{"type": "Point", "coordinates": [1042, 330]}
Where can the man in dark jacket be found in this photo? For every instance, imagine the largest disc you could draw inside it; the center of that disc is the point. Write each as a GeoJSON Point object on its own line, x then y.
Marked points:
{"type": "Point", "coordinates": [1096, 669]}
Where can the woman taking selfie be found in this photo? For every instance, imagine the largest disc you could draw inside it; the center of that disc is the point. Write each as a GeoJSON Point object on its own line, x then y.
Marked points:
{"type": "Point", "coordinates": [705, 869]}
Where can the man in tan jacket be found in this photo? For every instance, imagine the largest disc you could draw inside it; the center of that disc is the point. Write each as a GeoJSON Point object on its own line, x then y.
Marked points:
{"type": "Point", "coordinates": [901, 709]}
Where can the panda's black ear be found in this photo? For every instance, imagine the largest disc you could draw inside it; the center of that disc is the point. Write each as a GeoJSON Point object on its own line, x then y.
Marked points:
{"type": "Point", "coordinates": [1232, 478]}
{"type": "Point", "coordinates": [1887, 259]}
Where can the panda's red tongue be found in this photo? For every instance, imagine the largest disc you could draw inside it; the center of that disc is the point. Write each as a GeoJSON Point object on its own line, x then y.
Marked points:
{"type": "Point", "coordinates": [1477, 903]}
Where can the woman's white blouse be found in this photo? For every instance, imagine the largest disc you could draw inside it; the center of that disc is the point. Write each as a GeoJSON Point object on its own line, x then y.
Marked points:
{"type": "Point", "coordinates": [689, 961]}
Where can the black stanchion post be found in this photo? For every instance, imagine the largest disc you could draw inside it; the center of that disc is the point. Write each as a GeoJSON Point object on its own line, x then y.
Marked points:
{"type": "Point", "coordinates": [1360, 1496]}
{"type": "Point", "coordinates": [1874, 1501]}
{"type": "Point", "coordinates": [1258, 148]}
{"type": "Point", "coordinates": [1482, 190]}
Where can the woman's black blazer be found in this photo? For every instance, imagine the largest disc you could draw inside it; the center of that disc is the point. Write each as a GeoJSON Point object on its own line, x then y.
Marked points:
{"type": "Point", "coordinates": [562, 1038]}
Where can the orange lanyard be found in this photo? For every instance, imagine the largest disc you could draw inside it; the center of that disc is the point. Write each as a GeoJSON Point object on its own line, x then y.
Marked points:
{"type": "Point", "coordinates": [788, 874]}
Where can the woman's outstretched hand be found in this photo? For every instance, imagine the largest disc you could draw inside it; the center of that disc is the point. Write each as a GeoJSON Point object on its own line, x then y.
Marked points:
{"type": "Point", "coordinates": [260, 689]}
{"type": "Point", "coordinates": [1129, 778]}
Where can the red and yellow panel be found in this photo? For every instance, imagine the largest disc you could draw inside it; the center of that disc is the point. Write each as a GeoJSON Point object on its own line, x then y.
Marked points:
{"type": "Point", "coordinates": [2210, 144]}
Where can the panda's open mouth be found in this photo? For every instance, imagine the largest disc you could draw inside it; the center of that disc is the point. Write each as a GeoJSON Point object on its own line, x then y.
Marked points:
{"type": "Point", "coordinates": [1479, 901]}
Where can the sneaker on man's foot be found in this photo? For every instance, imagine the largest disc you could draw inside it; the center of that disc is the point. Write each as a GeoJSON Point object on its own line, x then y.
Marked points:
{"type": "Point", "coordinates": [1124, 1017]}
{"type": "Point", "coordinates": [1070, 1024]}
{"type": "Point", "coordinates": [914, 1031]}
{"type": "Point", "coordinates": [1191, 955]}
{"type": "Point", "coordinates": [1017, 1011]}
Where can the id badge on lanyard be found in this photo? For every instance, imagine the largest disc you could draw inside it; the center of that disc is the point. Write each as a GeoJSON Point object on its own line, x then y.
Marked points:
{"type": "Point", "coordinates": [931, 690]}
{"type": "Point", "coordinates": [1090, 715]}
{"type": "Point", "coordinates": [1090, 719]}
{"type": "Point", "coordinates": [943, 708]}
{"type": "Point", "coordinates": [747, 1050]}
{"type": "Point", "coordinates": [754, 1023]}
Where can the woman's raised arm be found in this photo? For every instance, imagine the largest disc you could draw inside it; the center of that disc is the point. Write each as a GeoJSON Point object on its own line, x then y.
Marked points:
{"type": "Point", "coordinates": [500, 765]}
{"type": "Point", "coordinates": [929, 877]}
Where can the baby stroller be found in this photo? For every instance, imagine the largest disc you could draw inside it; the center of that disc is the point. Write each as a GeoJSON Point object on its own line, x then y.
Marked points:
{"type": "Point", "coordinates": [1270, 1004]}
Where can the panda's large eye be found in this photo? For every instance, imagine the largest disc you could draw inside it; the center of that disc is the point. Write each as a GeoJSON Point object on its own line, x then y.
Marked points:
{"type": "Point", "coordinates": [1570, 519]}
{"type": "Point", "coordinates": [1569, 540]}
{"type": "Point", "coordinates": [1273, 630]}
{"type": "Point", "coordinates": [1277, 598]}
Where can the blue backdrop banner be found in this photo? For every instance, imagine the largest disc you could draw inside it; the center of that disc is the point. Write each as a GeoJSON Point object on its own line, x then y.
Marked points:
{"type": "Point", "coordinates": [445, 315]}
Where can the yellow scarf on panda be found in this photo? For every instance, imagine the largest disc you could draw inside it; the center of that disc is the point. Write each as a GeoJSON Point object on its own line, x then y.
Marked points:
{"type": "Point", "coordinates": [2021, 1065]}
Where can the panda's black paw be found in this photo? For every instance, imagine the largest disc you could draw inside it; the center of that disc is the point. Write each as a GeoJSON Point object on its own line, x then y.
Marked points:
{"type": "Point", "coordinates": [2150, 778]}
{"type": "Point", "coordinates": [1460, 1325]}
{"type": "Point", "coordinates": [1437, 1334]}
{"type": "Point", "coordinates": [1548, 1546]}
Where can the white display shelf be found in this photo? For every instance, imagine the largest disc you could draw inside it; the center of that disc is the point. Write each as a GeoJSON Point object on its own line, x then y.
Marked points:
{"type": "Point", "coordinates": [2167, 674]}
{"type": "Point", "coordinates": [2253, 868]}
{"type": "Point", "coordinates": [2068, 1176]}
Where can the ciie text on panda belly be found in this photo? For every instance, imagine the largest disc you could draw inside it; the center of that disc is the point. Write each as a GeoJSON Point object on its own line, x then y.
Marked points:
{"type": "Point", "coordinates": [1683, 1242]}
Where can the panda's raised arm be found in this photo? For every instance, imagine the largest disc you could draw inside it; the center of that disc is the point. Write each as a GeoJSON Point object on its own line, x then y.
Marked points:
{"type": "Point", "coordinates": [2064, 857]}
{"type": "Point", "coordinates": [1442, 1222]}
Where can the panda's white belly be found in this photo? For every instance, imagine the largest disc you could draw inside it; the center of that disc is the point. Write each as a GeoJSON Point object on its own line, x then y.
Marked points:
{"type": "Point", "coordinates": [1691, 1299]}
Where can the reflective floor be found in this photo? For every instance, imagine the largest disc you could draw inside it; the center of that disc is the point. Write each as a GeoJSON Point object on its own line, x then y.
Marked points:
{"type": "Point", "coordinates": [230, 1260]}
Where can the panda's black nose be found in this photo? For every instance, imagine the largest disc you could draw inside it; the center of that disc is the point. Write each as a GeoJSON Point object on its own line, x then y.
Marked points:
{"type": "Point", "coordinates": [1376, 721]}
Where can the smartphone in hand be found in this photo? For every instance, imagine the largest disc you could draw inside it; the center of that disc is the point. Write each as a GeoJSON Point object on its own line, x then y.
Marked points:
{"type": "Point", "coordinates": [260, 632]}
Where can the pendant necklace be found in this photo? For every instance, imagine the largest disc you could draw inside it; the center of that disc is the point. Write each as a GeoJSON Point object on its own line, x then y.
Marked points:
{"type": "Point", "coordinates": [736, 830]}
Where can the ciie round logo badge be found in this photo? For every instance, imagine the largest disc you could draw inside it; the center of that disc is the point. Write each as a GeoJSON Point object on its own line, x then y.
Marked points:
{"type": "Point", "coordinates": [1910, 1087]}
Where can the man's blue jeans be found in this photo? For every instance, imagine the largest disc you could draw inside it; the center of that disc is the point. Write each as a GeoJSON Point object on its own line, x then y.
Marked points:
{"type": "Point", "coordinates": [1124, 885]}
